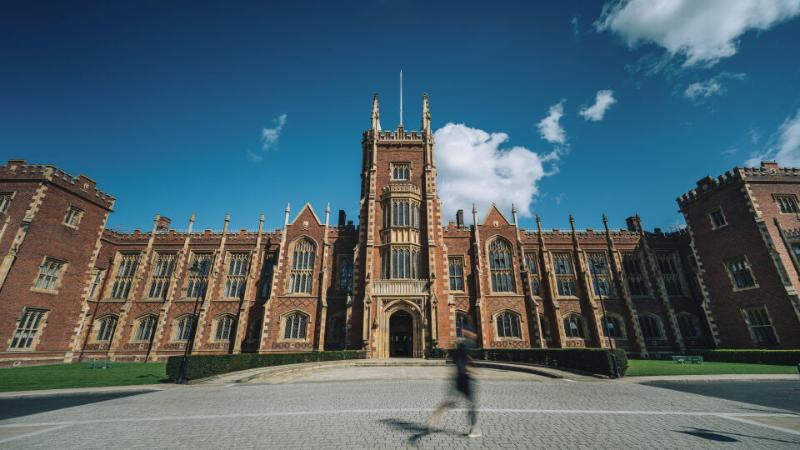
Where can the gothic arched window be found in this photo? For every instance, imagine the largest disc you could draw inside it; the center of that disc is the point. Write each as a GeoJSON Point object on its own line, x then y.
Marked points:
{"type": "Point", "coordinates": [612, 327]}
{"type": "Point", "coordinates": [501, 266]}
{"type": "Point", "coordinates": [690, 326]}
{"type": "Point", "coordinates": [185, 328]}
{"type": "Point", "coordinates": [106, 327]}
{"type": "Point", "coordinates": [226, 328]}
{"type": "Point", "coordinates": [508, 325]}
{"type": "Point", "coordinates": [573, 326]}
{"type": "Point", "coordinates": [301, 277]}
{"type": "Point", "coordinates": [652, 327]}
{"type": "Point", "coordinates": [144, 328]}
{"type": "Point", "coordinates": [295, 326]}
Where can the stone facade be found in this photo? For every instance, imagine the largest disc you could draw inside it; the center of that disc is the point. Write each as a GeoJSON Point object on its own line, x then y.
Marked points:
{"type": "Point", "coordinates": [397, 284]}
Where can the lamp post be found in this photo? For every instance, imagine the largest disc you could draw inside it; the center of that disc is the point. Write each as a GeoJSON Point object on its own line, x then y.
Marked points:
{"type": "Point", "coordinates": [614, 366]}
{"type": "Point", "coordinates": [196, 269]}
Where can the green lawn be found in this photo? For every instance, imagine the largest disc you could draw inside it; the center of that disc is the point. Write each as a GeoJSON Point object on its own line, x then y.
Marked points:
{"type": "Point", "coordinates": [80, 375]}
{"type": "Point", "coordinates": [649, 367]}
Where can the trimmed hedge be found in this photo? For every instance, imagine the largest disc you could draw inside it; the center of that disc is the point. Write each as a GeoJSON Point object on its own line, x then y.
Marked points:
{"type": "Point", "coordinates": [201, 366]}
{"type": "Point", "coordinates": [592, 360]}
{"type": "Point", "coordinates": [777, 357]}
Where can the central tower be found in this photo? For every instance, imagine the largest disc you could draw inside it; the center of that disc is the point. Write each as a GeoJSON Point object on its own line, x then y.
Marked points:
{"type": "Point", "coordinates": [399, 256]}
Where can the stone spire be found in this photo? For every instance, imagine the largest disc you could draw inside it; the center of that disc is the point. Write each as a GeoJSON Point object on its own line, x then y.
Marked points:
{"type": "Point", "coordinates": [426, 114]}
{"type": "Point", "coordinates": [376, 115]}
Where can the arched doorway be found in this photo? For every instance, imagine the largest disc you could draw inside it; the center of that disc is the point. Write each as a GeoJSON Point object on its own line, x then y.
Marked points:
{"type": "Point", "coordinates": [401, 335]}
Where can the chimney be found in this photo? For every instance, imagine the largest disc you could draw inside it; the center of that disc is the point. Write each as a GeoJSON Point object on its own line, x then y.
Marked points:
{"type": "Point", "coordinates": [162, 225]}
{"type": "Point", "coordinates": [770, 165]}
{"type": "Point", "coordinates": [342, 218]}
{"type": "Point", "coordinates": [460, 218]}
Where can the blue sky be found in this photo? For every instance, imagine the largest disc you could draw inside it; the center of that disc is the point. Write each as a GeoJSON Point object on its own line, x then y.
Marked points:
{"type": "Point", "coordinates": [166, 104]}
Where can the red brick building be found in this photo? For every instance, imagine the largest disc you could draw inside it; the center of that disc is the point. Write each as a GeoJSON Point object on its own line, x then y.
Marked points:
{"type": "Point", "coordinates": [745, 228]}
{"type": "Point", "coordinates": [397, 284]}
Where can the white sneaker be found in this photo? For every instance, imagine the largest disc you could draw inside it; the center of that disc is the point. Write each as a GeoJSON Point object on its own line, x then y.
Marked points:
{"type": "Point", "coordinates": [475, 433]}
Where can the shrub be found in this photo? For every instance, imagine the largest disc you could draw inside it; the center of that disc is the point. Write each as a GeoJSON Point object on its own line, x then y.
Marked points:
{"type": "Point", "coordinates": [777, 357]}
{"type": "Point", "coordinates": [201, 366]}
{"type": "Point", "coordinates": [592, 360]}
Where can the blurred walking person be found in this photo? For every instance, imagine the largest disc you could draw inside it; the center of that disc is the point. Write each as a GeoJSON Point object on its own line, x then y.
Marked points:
{"type": "Point", "coordinates": [462, 387]}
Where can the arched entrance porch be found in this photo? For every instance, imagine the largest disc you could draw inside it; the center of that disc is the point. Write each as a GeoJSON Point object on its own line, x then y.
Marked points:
{"type": "Point", "coordinates": [399, 331]}
{"type": "Point", "coordinates": [401, 335]}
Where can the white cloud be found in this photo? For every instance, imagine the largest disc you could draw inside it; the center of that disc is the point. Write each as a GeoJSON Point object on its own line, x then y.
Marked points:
{"type": "Point", "coordinates": [703, 89]}
{"type": "Point", "coordinates": [473, 168]}
{"type": "Point", "coordinates": [713, 86]}
{"type": "Point", "coordinates": [550, 127]}
{"type": "Point", "coordinates": [700, 31]}
{"type": "Point", "coordinates": [784, 145]}
{"type": "Point", "coordinates": [270, 136]}
{"type": "Point", "coordinates": [603, 100]}
{"type": "Point", "coordinates": [576, 30]}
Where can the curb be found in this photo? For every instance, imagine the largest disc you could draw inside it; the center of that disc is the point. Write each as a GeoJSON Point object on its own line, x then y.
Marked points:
{"type": "Point", "coordinates": [516, 368]}
{"type": "Point", "coordinates": [720, 378]}
{"type": "Point", "coordinates": [88, 390]}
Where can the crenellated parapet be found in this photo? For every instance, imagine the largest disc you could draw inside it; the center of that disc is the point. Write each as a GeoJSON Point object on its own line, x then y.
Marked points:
{"type": "Point", "coordinates": [709, 185]}
{"type": "Point", "coordinates": [82, 186]}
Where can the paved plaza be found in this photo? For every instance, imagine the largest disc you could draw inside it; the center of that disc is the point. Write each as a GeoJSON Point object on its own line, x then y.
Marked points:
{"type": "Point", "coordinates": [385, 407]}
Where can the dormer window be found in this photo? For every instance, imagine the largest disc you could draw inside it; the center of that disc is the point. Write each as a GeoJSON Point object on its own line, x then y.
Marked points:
{"type": "Point", "coordinates": [401, 171]}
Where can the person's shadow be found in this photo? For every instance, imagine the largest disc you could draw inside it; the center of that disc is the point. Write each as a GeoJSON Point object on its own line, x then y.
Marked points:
{"type": "Point", "coordinates": [418, 431]}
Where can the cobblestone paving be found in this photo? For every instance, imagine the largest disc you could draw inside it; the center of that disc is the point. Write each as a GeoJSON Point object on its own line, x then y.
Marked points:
{"type": "Point", "coordinates": [380, 413]}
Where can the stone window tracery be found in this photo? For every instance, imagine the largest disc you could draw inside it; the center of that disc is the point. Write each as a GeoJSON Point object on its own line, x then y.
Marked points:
{"type": "Point", "coordinates": [50, 272]}
{"type": "Point", "coordinates": [573, 326]}
{"type": "Point", "coordinates": [565, 275]}
{"type": "Point", "coordinates": [301, 276]}
{"type": "Point", "coordinates": [634, 277]}
{"type": "Point", "coordinates": [198, 280]}
{"type": "Point", "coordinates": [28, 327]}
{"type": "Point", "coordinates": [532, 264]}
{"type": "Point", "coordinates": [226, 326]}
{"type": "Point", "coordinates": [761, 329]}
{"type": "Point", "coordinates": [601, 276]}
{"type": "Point", "coordinates": [668, 266]}
{"type": "Point", "coordinates": [456, 268]}
{"type": "Point", "coordinates": [652, 326]}
{"type": "Point", "coordinates": [401, 171]}
{"type": "Point", "coordinates": [128, 262]}
{"type": "Point", "coordinates": [106, 327]}
{"type": "Point", "coordinates": [508, 325]}
{"type": "Point", "coordinates": [162, 274]}
{"type": "Point", "coordinates": [73, 217]}
{"type": "Point", "coordinates": [185, 328]}
{"type": "Point", "coordinates": [236, 280]}
{"type": "Point", "coordinates": [295, 326]}
{"type": "Point", "coordinates": [501, 266]}
{"type": "Point", "coordinates": [401, 262]}
{"type": "Point", "coordinates": [145, 327]}
{"type": "Point", "coordinates": [787, 203]}
{"type": "Point", "coordinates": [5, 201]}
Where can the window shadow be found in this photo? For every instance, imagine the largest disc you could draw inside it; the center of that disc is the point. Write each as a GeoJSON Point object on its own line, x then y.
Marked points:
{"type": "Point", "coordinates": [24, 406]}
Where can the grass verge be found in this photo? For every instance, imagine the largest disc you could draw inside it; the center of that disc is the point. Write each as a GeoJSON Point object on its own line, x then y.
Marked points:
{"type": "Point", "coordinates": [649, 368]}
{"type": "Point", "coordinates": [80, 375]}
